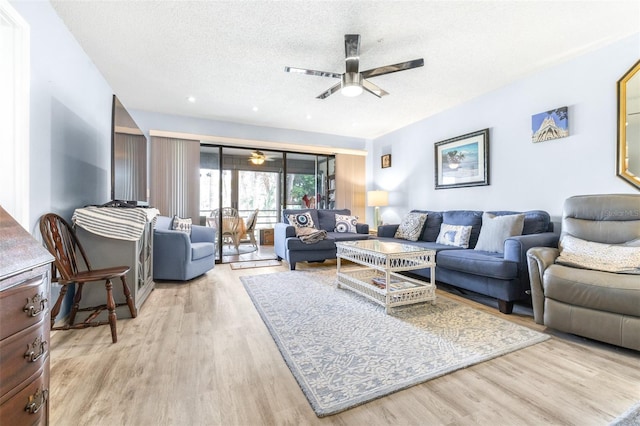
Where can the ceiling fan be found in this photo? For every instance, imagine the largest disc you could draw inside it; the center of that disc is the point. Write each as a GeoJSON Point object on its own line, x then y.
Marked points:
{"type": "Point", "coordinates": [352, 81]}
{"type": "Point", "coordinates": [257, 157]}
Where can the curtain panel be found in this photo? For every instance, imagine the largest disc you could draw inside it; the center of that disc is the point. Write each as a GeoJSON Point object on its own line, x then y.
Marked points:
{"type": "Point", "coordinates": [175, 177]}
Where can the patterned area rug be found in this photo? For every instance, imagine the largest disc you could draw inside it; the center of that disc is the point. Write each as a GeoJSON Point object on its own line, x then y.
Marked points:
{"type": "Point", "coordinates": [629, 418]}
{"type": "Point", "coordinates": [344, 350]}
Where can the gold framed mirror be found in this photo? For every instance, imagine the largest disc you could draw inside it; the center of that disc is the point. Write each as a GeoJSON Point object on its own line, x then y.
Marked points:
{"type": "Point", "coordinates": [628, 159]}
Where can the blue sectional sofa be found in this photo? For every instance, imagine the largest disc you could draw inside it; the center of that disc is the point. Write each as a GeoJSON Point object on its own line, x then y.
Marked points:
{"type": "Point", "coordinates": [290, 248]}
{"type": "Point", "coordinates": [503, 276]}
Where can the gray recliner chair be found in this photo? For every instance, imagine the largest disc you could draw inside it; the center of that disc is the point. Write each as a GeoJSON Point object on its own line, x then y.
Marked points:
{"type": "Point", "coordinates": [592, 303]}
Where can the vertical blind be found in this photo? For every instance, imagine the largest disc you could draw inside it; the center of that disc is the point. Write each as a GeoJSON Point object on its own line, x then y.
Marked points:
{"type": "Point", "coordinates": [350, 184]}
{"type": "Point", "coordinates": [175, 177]}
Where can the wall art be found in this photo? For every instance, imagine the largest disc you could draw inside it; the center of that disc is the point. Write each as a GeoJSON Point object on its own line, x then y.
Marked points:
{"type": "Point", "coordinates": [550, 125]}
{"type": "Point", "coordinates": [462, 161]}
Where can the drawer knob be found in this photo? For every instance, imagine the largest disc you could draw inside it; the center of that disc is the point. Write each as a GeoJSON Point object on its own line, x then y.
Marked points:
{"type": "Point", "coordinates": [37, 401]}
{"type": "Point", "coordinates": [36, 350]}
{"type": "Point", "coordinates": [35, 305]}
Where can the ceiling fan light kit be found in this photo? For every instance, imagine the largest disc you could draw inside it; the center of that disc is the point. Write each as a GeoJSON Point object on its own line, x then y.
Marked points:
{"type": "Point", "coordinates": [352, 81]}
{"type": "Point", "coordinates": [351, 84]}
{"type": "Point", "coordinates": [257, 157]}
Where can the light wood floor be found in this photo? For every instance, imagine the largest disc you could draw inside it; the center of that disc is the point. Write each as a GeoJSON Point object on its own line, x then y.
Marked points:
{"type": "Point", "coordinates": [199, 354]}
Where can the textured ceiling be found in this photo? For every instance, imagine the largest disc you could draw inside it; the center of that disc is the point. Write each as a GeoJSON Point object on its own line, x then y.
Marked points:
{"type": "Point", "coordinates": [230, 55]}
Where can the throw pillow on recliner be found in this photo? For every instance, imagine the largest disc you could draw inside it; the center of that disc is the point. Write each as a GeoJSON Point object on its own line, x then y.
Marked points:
{"type": "Point", "coordinates": [617, 258]}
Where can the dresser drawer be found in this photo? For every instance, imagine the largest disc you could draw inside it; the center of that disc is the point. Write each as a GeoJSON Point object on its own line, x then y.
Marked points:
{"type": "Point", "coordinates": [29, 404]}
{"type": "Point", "coordinates": [22, 354]}
{"type": "Point", "coordinates": [23, 305]}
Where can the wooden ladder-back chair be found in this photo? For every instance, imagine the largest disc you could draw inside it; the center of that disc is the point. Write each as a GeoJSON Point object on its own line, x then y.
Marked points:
{"type": "Point", "coordinates": [62, 243]}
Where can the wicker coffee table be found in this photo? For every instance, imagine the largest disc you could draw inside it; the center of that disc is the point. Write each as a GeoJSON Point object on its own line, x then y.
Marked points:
{"type": "Point", "coordinates": [380, 280]}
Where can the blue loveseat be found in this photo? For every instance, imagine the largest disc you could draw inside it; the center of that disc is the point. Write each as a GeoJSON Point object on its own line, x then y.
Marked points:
{"type": "Point", "coordinates": [178, 256]}
{"type": "Point", "coordinates": [290, 248]}
{"type": "Point", "coordinates": [503, 276]}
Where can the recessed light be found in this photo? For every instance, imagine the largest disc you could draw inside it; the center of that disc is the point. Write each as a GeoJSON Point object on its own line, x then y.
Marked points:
{"type": "Point", "coordinates": [255, 109]}
{"type": "Point", "coordinates": [191, 99]}
{"type": "Point", "coordinates": [308, 116]}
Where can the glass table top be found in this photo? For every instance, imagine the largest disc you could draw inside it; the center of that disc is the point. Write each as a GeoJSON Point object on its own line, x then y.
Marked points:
{"type": "Point", "coordinates": [384, 247]}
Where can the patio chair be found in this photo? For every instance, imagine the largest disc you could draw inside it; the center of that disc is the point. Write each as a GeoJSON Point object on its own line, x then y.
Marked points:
{"type": "Point", "coordinates": [232, 224]}
{"type": "Point", "coordinates": [250, 226]}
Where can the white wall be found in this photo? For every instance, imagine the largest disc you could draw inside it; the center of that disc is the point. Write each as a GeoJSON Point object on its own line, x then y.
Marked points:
{"type": "Point", "coordinates": [523, 175]}
{"type": "Point", "coordinates": [198, 126]}
{"type": "Point", "coordinates": [70, 119]}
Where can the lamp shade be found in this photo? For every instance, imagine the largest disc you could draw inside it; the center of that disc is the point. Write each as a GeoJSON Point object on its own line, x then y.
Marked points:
{"type": "Point", "coordinates": [377, 198]}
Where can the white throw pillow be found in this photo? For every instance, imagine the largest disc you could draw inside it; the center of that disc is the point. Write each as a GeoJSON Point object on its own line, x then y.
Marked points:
{"type": "Point", "coordinates": [346, 223]}
{"type": "Point", "coordinates": [618, 258]}
{"type": "Point", "coordinates": [302, 220]}
{"type": "Point", "coordinates": [411, 227]}
{"type": "Point", "coordinates": [496, 229]}
{"type": "Point", "coordinates": [454, 235]}
{"type": "Point", "coordinates": [182, 225]}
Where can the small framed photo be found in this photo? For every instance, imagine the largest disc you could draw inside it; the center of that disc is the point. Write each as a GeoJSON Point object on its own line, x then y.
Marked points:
{"type": "Point", "coordinates": [386, 161]}
{"type": "Point", "coordinates": [462, 161]}
{"type": "Point", "coordinates": [550, 125]}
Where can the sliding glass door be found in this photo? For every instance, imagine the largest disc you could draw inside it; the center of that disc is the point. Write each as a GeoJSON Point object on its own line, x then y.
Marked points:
{"type": "Point", "coordinates": [244, 182]}
{"type": "Point", "coordinates": [259, 190]}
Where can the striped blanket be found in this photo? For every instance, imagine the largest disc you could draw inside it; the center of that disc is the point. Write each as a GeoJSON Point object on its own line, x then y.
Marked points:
{"type": "Point", "coordinates": [114, 222]}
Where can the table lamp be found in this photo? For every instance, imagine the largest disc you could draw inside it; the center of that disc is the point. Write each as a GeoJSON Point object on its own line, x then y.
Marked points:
{"type": "Point", "coordinates": [377, 199]}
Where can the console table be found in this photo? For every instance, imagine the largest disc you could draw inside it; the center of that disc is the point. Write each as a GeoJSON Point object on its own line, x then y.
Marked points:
{"type": "Point", "coordinates": [118, 236]}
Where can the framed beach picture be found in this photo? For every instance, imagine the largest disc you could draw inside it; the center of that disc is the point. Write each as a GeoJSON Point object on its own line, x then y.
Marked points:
{"type": "Point", "coordinates": [550, 125]}
{"type": "Point", "coordinates": [462, 161]}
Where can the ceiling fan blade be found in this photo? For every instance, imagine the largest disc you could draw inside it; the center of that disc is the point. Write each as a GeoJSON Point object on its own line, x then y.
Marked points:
{"type": "Point", "coordinates": [373, 89]}
{"type": "Point", "coordinates": [312, 72]}
{"type": "Point", "coordinates": [388, 69]}
{"type": "Point", "coordinates": [352, 52]}
{"type": "Point", "coordinates": [333, 89]}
